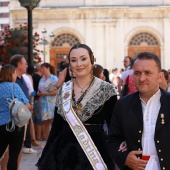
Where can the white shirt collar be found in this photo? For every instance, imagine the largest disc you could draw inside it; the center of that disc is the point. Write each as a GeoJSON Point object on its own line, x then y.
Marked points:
{"type": "Point", "coordinates": [158, 93]}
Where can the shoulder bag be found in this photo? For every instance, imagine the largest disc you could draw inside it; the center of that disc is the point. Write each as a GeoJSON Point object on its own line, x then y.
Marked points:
{"type": "Point", "coordinates": [20, 114]}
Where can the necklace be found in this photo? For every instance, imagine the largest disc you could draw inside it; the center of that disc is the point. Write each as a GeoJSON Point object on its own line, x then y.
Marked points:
{"type": "Point", "coordinates": [77, 105]}
{"type": "Point", "coordinates": [82, 91]}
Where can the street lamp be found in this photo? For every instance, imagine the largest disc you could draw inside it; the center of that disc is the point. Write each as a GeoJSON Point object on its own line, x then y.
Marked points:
{"type": "Point", "coordinates": [30, 5]}
{"type": "Point", "coordinates": [45, 41]}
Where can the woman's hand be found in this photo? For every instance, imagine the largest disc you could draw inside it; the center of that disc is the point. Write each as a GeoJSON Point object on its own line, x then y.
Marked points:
{"type": "Point", "coordinates": [42, 93]}
{"type": "Point", "coordinates": [38, 93]}
{"type": "Point", "coordinates": [123, 147]}
{"type": "Point", "coordinates": [29, 106]}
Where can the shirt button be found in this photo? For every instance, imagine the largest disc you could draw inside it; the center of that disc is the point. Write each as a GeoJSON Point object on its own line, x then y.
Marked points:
{"type": "Point", "coordinates": [157, 141]}
{"type": "Point", "coordinates": [162, 159]}
{"type": "Point", "coordinates": [159, 150]}
{"type": "Point", "coordinates": [140, 131]}
{"type": "Point", "coordinates": [163, 168]}
{"type": "Point", "coordinates": [138, 140]}
{"type": "Point", "coordinates": [139, 149]}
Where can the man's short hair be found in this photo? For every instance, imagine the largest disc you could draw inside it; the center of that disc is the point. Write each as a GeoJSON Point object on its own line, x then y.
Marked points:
{"type": "Point", "coordinates": [37, 67]}
{"type": "Point", "coordinates": [15, 59]}
{"type": "Point", "coordinates": [128, 58]}
{"type": "Point", "coordinates": [166, 74]}
{"type": "Point", "coordinates": [149, 56]}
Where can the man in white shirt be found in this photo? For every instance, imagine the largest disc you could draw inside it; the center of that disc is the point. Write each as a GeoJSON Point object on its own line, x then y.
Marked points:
{"type": "Point", "coordinates": [142, 119]}
{"type": "Point", "coordinates": [126, 62]}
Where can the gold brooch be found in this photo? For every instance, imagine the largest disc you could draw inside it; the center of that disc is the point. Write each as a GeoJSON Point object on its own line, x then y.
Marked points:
{"type": "Point", "coordinates": [79, 107]}
{"type": "Point", "coordinates": [162, 117]}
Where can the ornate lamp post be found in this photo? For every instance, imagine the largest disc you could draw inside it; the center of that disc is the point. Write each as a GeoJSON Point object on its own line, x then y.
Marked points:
{"type": "Point", "coordinates": [30, 5]}
{"type": "Point", "coordinates": [45, 41]}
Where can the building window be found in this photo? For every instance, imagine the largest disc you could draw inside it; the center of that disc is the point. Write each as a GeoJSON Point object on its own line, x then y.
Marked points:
{"type": "Point", "coordinates": [4, 4]}
{"type": "Point", "coordinates": [62, 39]}
{"type": "Point", "coordinates": [144, 38]}
{"type": "Point", "coordinates": [61, 55]}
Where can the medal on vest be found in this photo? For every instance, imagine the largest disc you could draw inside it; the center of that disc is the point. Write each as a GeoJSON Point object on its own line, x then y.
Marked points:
{"type": "Point", "coordinates": [162, 116]}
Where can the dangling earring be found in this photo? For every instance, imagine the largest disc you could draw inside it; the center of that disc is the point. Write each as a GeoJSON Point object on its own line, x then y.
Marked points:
{"type": "Point", "coordinates": [72, 74]}
{"type": "Point", "coordinates": [91, 72]}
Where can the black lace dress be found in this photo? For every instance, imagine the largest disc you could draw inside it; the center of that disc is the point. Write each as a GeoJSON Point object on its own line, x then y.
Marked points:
{"type": "Point", "coordinates": [62, 150]}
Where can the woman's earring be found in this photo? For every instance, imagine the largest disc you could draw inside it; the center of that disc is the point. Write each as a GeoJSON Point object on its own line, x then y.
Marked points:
{"type": "Point", "coordinates": [72, 74]}
{"type": "Point", "coordinates": [92, 71]}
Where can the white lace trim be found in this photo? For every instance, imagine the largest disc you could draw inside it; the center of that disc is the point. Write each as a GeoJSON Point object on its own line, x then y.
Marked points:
{"type": "Point", "coordinates": [97, 95]}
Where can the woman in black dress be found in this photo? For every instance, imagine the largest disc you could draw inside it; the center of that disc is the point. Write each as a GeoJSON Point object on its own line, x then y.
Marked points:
{"type": "Point", "coordinates": [93, 101]}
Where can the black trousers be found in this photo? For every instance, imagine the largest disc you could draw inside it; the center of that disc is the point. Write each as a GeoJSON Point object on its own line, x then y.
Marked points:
{"type": "Point", "coordinates": [14, 140]}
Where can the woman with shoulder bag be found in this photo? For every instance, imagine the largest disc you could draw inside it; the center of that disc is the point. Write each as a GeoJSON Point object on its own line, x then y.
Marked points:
{"type": "Point", "coordinates": [10, 139]}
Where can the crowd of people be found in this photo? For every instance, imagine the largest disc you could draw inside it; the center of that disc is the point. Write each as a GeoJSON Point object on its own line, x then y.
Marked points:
{"type": "Point", "coordinates": [89, 118]}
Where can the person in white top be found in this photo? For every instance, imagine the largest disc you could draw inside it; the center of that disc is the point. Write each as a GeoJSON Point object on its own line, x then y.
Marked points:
{"type": "Point", "coordinates": [126, 62]}
{"type": "Point", "coordinates": [142, 119]}
{"type": "Point", "coordinates": [29, 83]}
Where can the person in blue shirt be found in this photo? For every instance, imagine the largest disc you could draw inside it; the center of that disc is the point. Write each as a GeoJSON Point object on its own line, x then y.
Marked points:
{"type": "Point", "coordinates": [20, 64]}
{"type": "Point", "coordinates": [12, 140]}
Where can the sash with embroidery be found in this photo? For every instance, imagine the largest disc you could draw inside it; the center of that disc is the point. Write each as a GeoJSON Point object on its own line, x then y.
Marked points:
{"type": "Point", "coordinates": [79, 130]}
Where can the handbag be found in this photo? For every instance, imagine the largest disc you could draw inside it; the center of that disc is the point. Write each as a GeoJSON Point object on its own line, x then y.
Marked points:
{"type": "Point", "coordinates": [20, 114]}
{"type": "Point", "coordinates": [125, 88]}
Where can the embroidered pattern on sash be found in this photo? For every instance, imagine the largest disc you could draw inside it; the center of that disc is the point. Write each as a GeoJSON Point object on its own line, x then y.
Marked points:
{"type": "Point", "coordinates": [99, 93]}
{"type": "Point", "coordinates": [66, 96]}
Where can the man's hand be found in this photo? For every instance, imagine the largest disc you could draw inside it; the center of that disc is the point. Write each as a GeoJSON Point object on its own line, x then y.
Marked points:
{"type": "Point", "coordinates": [135, 163]}
{"type": "Point", "coordinates": [123, 147]}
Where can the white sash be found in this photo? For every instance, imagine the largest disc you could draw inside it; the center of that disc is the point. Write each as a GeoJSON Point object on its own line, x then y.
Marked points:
{"type": "Point", "coordinates": [79, 130]}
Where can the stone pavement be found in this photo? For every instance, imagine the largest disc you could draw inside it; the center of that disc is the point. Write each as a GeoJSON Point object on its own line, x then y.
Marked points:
{"type": "Point", "coordinates": [28, 161]}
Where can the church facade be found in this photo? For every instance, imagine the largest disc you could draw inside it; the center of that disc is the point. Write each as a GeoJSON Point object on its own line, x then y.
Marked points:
{"type": "Point", "coordinates": [112, 28]}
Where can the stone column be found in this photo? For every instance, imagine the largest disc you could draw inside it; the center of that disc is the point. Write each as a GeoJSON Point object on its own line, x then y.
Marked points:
{"type": "Point", "coordinates": [165, 55]}
{"type": "Point", "coordinates": [120, 43]}
{"type": "Point", "coordinates": [99, 43]}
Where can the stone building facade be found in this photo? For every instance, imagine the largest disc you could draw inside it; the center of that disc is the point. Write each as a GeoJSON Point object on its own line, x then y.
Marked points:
{"type": "Point", "coordinates": [112, 28]}
{"type": "Point", "coordinates": [4, 13]}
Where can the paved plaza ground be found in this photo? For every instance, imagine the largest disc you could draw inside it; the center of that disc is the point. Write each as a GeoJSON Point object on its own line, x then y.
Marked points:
{"type": "Point", "coordinates": [28, 161]}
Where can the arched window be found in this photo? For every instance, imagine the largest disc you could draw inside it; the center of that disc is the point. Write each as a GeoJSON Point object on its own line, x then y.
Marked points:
{"type": "Point", "coordinates": [65, 38]}
{"type": "Point", "coordinates": [142, 39]}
